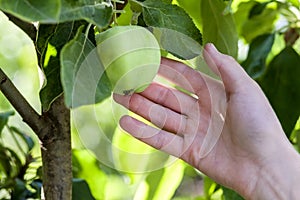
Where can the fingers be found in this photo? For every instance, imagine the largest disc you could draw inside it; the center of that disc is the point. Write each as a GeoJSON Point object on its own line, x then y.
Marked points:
{"type": "Point", "coordinates": [160, 116]}
{"type": "Point", "coordinates": [170, 98]}
{"type": "Point", "coordinates": [232, 74]}
{"type": "Point", "coordinates": [159, 139]}
{"type": "Point", "coordinates": [183, 76]}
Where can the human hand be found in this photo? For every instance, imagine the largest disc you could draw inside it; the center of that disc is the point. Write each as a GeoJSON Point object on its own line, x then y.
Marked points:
{"type": "Point", "coordinates": [251, 141]}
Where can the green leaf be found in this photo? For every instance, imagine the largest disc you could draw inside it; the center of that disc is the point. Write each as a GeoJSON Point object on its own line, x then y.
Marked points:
{"type": "Point", "coordinates": [126, 16]}
{"type": "Point", "coordinates": [27, 139]}
{"type": "Point", "coordinates": [209, 186]}
{"type": "Point", "coordinates": [193, 8]}
{"type": "Point", "coordinates": [166, 1]}
{"type": "Point", "coordinates": [9, 161]}
{"type": "Point", "coordinates": [128, 149]}
{"type": "Point", "coordinates": [136, 6]}
{"type": "Point", "coordinates": [81, 190]}
{"type": "Point", "coordinates": [58, 11]}
{"type": "Point", "coordinates": [5, 165]}
{"type": "Point", "coordinates": [159, 14]}
{"type": "Point", "coordinates": [164, 182]}
{"type": "Point", "coordinates": [170, 181]}
{"type": "Point", "coordinates": [153, 180]}
{"type": "Point", "coordinates": [219, 28]}
{"type": "Point", "coordinates": [281, 84]}
{"type": "Point", "coordinates": [295, 3]}
{"type": "Point", "coordinates": [37, 186]}
{"type": "Point", "coordinates": [86, 166]}
{"type": "Point", "coordinates": [242, 14]}
{"type": "Point", "coordinates": [82, 74]}
{"type": "Point", "coordinates": [20, 190]}
{"type": "Point", "coordinates": [118, 189]}
{"type": "Point", "coordinates": [16, 162]}
{"type": "Point", "coordinates": [53, 88]}
{"type": "Point", "coordinates": [171, 23]}
{"type": "Point", "coordinates": [55, 35]}
{"type": "Point", "coordinates": [35, 10]}
{"type": "Point", "coordinates": [260, 47]}
{"type": "Point", "coordinates": [230, 194]}
{"type": "Point", "coordinates": [51, 39]}
{"type": "Point", "coordinates": [184, 48]}
{"type": "Point", "coordinates": [258, 8]}
{"type": "Point", "coordinates": [259, 24]}
{"type": "Point", "coordinates": [4, 119]}
{"type": "Point", "coordinates": [92, 11]}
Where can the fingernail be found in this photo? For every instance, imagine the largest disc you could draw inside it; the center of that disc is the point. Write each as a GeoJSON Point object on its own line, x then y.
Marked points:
{"type": "Point", "coordinates": [212, 47]}
{"type": "Point", "coordinates": [116, 97]}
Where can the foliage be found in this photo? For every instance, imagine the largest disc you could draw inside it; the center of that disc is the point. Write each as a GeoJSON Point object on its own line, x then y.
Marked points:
{"type": "Point", "coordinates": [224, 35]}
{"type": "Point", "coordinates": [16, 162]}
{"type": "Point", "coordinates": [59, 11]}
{"type": "Point", "coordinates": [284, 87]}
{"type": "Point", "coordinates": [73, 55]}
{"type": "Point", "coordinates": [268, 30]}
{"type": "Point", "coordinates": [49, 44]}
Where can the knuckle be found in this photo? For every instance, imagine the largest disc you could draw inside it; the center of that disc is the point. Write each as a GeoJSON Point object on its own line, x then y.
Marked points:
{"type": "Point", "coordinates": [135, 103]}
{"type": "Point", "coordinates": [159, 141]}
{"type": "Point", "coordinates": [182, 124]}
{"type": "Point", "coordinates": [163, 96]}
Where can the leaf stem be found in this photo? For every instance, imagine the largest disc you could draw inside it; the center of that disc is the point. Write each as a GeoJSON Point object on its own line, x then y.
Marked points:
{"type": "Point", "coordinates": [115, 13]}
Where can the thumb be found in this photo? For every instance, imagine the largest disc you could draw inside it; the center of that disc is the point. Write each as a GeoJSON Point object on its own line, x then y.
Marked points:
{"type": "Point", "coordinates": [231, 73]}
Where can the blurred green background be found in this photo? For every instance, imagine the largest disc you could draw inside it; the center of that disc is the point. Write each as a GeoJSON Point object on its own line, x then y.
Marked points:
{"type": "Point", "coordinates": [100, 147]}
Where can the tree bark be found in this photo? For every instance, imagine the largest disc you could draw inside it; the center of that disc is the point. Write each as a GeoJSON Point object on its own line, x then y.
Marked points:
{"type": "Point", "coordinates": [53, 130]}
{"type": "Point", "coordinates": [56, 154]}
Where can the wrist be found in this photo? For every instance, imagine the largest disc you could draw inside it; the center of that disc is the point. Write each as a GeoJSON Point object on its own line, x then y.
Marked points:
{"type": "Point", "coordinates": [278, 179]}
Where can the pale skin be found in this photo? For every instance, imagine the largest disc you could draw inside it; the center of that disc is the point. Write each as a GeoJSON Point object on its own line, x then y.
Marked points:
{"type": "Point", "coordinates": [252, 155]}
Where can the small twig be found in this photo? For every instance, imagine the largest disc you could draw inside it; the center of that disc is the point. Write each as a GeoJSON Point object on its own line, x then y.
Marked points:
{"type": "Point", "coordinates": [17, 100]}
{"type": "Point", "coordinates": [115, 14]}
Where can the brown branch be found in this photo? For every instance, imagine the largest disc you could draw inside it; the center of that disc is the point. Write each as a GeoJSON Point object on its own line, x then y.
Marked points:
{"type": "Point", "coordinates": [38, 123]}
{"type": "Point", "coordinates": [27, 27]}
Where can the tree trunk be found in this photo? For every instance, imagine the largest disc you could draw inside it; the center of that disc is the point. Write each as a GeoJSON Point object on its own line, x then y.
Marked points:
{"type": "Point", "coordinates": [53, 129]}
{"type": "Point", "coordinates": [56, 154]}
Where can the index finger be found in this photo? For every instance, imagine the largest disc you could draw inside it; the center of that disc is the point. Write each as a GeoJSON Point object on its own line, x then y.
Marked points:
{"type": "Point", "coordinates": [183, 76]}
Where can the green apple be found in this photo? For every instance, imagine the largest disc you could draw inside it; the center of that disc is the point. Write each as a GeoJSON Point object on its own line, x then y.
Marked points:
{"type": "Point", "coordinates": [130, 56]}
